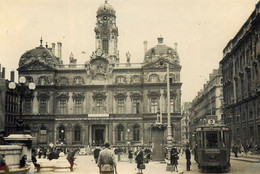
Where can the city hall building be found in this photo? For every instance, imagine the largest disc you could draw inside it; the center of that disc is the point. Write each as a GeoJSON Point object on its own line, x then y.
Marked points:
{"type": "Point", "coordinates": [103, 99]}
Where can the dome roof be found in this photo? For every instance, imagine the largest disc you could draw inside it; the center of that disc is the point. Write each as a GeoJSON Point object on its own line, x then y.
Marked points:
{"type": "Point", "coordinates": [106, 9]}
{"type": "Point", "coordinates": [161, 49]}
{"type": "Point", "coordinates": [41, 53]}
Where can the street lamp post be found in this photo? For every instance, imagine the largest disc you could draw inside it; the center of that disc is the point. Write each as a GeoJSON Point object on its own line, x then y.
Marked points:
{"type": "Point", "coordinates": [169, 127]}
{"type": "Point", "coordinates": [21, 88]}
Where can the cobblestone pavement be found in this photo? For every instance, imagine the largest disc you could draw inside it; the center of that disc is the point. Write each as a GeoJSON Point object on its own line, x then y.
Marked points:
{"type": "Point", "coordinates": [86, 165]}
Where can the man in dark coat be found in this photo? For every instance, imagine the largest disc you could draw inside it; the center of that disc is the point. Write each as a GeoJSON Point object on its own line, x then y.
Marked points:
{"type": "Point", "coordinates": [235, 150]}
{"type": "Point", "coordinates": [188, 157]}
{"type": "Point", "coordinates": [139, 160]}
{"type": "Point", "coordinates": [96, 154]}
{"type": "Point", "coordinates": [71, 158]}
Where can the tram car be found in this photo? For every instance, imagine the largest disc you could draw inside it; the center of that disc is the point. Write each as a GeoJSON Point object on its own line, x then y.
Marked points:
{"type": "Point", "coordinates": [213, 146]}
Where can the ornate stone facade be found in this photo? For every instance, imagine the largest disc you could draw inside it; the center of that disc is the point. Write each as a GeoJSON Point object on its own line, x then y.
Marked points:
{"type": "Point", "coordinates": [77, 105]}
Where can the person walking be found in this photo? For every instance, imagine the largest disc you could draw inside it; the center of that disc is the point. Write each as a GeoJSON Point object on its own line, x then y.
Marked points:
{"type": "Point", "coordinates": [174, 160]}
{"type": "Point", "coordinates": [106, 160]}
{"type": "Point", "coordinates": [188, 157]}
{"type": "Point", "coordinates": [71, 158]}
{"type": "Point", "coordinates": [96, 153]}
{"type": "Point", "coordinates": [140, 161]}
{"type": "Point", "coordinates": [235, 150]}
{"type": "Point", "coordinates": [130, 155]}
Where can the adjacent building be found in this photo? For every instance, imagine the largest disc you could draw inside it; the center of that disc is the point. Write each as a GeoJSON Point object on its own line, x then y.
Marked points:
{"type": "Point", "coordinates": [241, 81]}
{"type": "Point", "coordinates": [208, 102]}
{"type": "Point", "coordinates": [185, 131]}
{"type": "Point", "coordinates": [103, 99]}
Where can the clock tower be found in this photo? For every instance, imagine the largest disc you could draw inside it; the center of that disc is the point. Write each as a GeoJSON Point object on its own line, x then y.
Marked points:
{"type": "Point", "coordinates": [107, 32]}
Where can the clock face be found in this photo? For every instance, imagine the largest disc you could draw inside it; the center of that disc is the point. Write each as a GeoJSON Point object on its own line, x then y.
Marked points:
{"type": "Point", "coordinates": [105, 17]}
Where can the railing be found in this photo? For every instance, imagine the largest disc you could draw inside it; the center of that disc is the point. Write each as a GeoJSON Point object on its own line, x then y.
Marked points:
{"type": "Point", "coordinates": [129, 65]}
{"type": "Point", "coordinates": [71, 66]}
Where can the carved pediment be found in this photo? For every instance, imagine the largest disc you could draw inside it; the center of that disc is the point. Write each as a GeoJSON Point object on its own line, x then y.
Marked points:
{"type": "Point", "coordinates": [153, 93]}
{"type": "Point", "coordinates": [78, 95]}
{"type": "Point", "coordinates": [136, 94]}
{"type": "Point", "coordinates": [43, 95]}
{"type": "Point", "coordinates": [99, 94]}
{"type": "Point", "coordinates": [120, 94]}
{"type": "Point", "coordinates": [62, 95]}
{"type": "Point", "coordinates": [36, 65]}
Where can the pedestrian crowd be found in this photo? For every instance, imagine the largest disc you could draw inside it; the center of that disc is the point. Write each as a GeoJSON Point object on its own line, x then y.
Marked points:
{"type": "Point", "coordinates": [245, 149]}
{"type": "Point", "coordinates": [104, 157]}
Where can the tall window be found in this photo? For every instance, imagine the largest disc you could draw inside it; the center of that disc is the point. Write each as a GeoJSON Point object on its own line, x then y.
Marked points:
{"type": "Point", "coordinates": [136, 106]}
{"type": "Point", "coordinates": [61, 133]}
{"type": "Point", "coordinates": [120, 133]}
{"type": "Point", "coordinates": [99, 106]}
{"type": "Point", "coordinates": [77, 132]}
{"type": "Point", "coordinates": [121, 105]}
{"type": "Point", "coordinates": [78, 107]}
{"type": "Point", "coordinates": [105, 46]}
{"type": "Point", "coordinates": [136, 133]}
{"type": "Point", "coordinates": [63, 106]}
{"type": "Point", "coordinates": [154, 105]}
{"type": "Point", "coordinates": [43, 106]}
{"type": "Point", "coordinates": [27, 106]}
{"type": "Point", "coordinates": [43, 134]}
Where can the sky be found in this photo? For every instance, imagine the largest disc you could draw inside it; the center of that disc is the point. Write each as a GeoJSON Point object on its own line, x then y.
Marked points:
{"type": "Point", "coordinates": [202, 28]}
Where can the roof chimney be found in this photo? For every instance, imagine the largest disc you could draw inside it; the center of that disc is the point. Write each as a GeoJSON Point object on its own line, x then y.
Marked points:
{"type": "Point", "coordinates": [46, 45]}
{"type": "Point", "coordinates": [59, 50]}
{"type": "Point", "coordinates": [145, 47]}
{"type": "Point", "coordinates": [53, 48]}
{"type": "Point", "coordinates": [12, 76]}
{"type": "Point", "coordinates": [175, 46]}
{"type": "Point", "coordinates": [3, 72]}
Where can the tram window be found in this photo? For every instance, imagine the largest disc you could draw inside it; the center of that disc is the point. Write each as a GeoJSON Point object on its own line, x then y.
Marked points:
{"type": "Point", "coordinates": [212, 139]}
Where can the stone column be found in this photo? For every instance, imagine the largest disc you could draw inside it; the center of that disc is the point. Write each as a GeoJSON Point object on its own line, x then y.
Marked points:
{"type": "Point", "coordinates": [107, 135]}
{"type": "Point", "coordinates": [114, 134]}
{"type": "Point", "coordinates": [90, 135]}
{"type": "Point", "coordinates": [86, 136]}
{"type": "Point", "coordinates": [161, 105]}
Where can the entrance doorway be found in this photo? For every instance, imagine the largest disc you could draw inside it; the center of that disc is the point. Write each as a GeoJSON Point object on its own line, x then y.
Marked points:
{"type": "Point", "coordinates": [98, 135]}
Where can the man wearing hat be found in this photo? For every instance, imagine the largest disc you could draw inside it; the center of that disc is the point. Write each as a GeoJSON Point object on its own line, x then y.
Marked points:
{"type": "Point", "coordinates": [106, 160]}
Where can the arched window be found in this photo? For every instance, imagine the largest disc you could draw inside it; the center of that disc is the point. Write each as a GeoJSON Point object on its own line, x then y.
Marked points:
{"type": "Point", "coordinates": [29, 79]}
{"type": "Point", "coordinates": [136, 133]}
{"type": "Point", "coordinates": [61, 134]}
{"type": "Point", "coordinates": [154, 78]}
{"type": "Point", "coordinates": [78, 81]}
{"type": "Point", "coordinates": [120, 133]}
{"type": "Point", "coordinates": [43, 134]}
{"type": "Point", "coordinates": [77, 132]}
{"type": "Point", "coordinates": [43, 80]}
{"type": "Point", "coordinates": [120, 80]}
{"type": "Point", "coordinates": [135, 79]}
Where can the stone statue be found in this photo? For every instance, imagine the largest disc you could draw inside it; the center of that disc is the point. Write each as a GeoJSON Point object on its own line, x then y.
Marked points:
{"type": "Point", "coordinates": [128, 56]}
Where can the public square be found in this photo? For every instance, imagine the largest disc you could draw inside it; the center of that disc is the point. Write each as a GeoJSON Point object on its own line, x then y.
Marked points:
{"type": "Point", "coordinates": [86, 165]}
